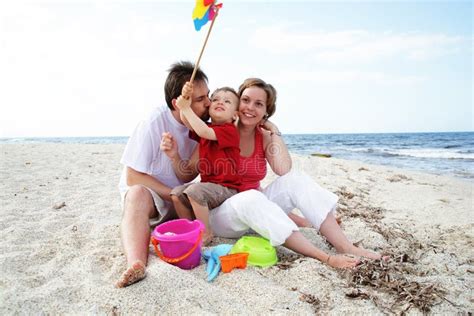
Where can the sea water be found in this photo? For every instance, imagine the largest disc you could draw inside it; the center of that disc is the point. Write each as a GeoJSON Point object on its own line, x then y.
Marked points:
{"type": "Point", "coordinates": [438, 153]}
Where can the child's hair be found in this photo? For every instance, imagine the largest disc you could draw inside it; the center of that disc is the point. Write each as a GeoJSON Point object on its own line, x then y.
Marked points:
{"type": "Point", "coordinates": [227, 89]}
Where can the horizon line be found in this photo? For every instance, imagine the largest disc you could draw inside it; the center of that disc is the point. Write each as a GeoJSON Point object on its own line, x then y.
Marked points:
{"type": "Point", "coordinates": [341, 133]}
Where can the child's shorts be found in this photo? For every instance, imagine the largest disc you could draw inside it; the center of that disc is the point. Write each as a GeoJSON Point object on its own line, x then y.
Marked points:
{"type": "Point", "coordinates": [204, 193]}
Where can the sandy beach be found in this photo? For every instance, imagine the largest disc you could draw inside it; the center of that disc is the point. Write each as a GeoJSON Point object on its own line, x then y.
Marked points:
{"type": "Point", "coordinates": [60, 249]}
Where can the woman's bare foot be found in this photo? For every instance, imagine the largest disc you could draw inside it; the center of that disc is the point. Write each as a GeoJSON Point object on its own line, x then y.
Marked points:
{"type": "Point", "coordinates": [133, 274]}
{"type": "Point", "coordinates": [342, 261]}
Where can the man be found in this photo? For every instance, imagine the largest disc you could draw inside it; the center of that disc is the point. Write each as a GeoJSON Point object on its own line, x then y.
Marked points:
{"type": "Point", "coordinates": [148, 176]}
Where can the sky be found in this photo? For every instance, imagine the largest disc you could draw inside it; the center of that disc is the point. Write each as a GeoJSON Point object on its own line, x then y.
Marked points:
{"type": "Point", "coordinates": [96, 68]}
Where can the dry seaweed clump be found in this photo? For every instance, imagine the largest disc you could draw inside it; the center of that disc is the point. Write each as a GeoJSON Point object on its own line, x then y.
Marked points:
{"type": "Point", "coordinates": [392, 285]}
{"type": "Point", "coordinates": [287, 260]}
{"type": "Point", "coordinates": [388, 276]}
{"type": "Point", "coordinates": [312, 300]}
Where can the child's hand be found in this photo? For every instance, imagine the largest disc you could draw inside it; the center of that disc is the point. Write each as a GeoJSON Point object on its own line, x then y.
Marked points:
{"type": "Point", "coordinates": [168, 145]}
{"type": "Point", "coordinates": [183, 103]}
{"type": "Point", "coordinates": [187, 90]}
{"type": "Point", "coordinates": [236, 120]}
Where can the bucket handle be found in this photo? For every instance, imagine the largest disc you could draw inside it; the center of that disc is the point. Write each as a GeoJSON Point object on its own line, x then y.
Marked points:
{"type": "Point", "coordinates": [156, 242]}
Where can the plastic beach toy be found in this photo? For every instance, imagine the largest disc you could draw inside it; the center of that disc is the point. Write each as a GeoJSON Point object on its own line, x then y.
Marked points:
{"type": "Point", "coordinates": [235, 260]}
{"type": "Point", "coordinates": [261, 252]}
{"type": "Point", "coordinates": [213, 262]}
{"type": "Point", "coordinates": [179, 241]}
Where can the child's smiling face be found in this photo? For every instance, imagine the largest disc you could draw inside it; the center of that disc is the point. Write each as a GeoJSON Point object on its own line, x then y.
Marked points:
{"type": "Point", "coordinates": [224, 106]}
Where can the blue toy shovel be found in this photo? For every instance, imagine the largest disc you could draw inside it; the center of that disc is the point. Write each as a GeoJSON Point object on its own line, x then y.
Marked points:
{"type": "Point", "coordinates": [213, 262]}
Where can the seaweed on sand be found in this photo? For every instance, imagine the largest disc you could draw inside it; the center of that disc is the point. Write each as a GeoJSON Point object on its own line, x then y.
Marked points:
{"type": "Point", "coordinates": [287, 260]}
{"type": "Point", "coordinates": [389, 276]}
{"type": "Point", "coordinates": [396, 275]}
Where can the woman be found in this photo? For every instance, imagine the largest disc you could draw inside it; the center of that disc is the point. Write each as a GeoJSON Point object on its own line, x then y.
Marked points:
{"type": "Point", "coordinates": [268, 211]}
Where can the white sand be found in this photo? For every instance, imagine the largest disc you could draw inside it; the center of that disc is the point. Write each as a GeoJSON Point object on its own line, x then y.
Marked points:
{"type": "Point", "coordinates": [66, 260]}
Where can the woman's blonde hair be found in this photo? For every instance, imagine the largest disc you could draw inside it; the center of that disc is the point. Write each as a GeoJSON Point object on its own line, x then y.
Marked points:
{"type": "Point", "coordinates": [269, 90]}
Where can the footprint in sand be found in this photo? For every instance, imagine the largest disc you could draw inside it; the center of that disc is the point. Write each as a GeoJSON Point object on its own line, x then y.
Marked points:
{"type": "Point", "coordinates": [398, 178]}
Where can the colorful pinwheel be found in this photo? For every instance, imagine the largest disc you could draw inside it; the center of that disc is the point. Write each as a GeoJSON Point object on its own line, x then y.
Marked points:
{"type": "Point", "coordinates": [204, 11]}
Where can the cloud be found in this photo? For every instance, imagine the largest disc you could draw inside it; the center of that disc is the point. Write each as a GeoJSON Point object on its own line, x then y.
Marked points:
{"type": "Point", "coordinates": [352, 77]}
{"type": "Point", "coordinates": [353, 46]}
{"type": "Point", "coordinates": [69, 64]}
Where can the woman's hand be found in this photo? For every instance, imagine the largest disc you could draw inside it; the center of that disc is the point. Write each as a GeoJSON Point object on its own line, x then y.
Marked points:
{"type": "Point", "coordinates": [269, 126]}
{"type": "Point", "coordinates": [342, 261]}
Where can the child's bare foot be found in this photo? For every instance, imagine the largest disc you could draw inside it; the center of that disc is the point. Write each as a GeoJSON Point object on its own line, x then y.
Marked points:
{"type": "Point", "coordinates": [339, 219]}
{"type": "Point", "coordinates": [207, 238]}
{"type": "Point", "coordinates": [133, 274]}
{"type": "Point", "coordinates": [342, 261]}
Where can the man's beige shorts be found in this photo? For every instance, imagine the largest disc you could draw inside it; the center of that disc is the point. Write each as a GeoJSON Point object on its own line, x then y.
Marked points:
{"type": "Point", "coordinates": [164, 208]}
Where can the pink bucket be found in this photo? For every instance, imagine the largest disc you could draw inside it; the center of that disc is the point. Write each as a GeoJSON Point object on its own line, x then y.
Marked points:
{"type": "Point", "coordinates": [179, 241]}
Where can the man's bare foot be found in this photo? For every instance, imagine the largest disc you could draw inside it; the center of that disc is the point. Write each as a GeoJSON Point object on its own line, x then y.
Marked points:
{"type": "Point", "coordinates": [133, 274]}
{"type": "Point", "coordinates": [342, 261]}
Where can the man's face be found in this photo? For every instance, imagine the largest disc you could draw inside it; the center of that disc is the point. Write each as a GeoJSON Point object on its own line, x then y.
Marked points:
{"type": "Point", "coordinates": [200, 100]}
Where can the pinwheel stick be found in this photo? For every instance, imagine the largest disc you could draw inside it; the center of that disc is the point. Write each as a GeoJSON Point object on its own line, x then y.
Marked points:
{"type": "Point", "coordinates": [204, 46]}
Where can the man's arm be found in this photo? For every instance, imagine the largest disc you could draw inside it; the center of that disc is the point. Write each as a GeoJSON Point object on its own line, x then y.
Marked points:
{"type": "Point", "coordinates": [182, 168]}
{"type": "Point", "coordinates": [135, 177]}
{"type": "Point", "coordinates": [189, 169]}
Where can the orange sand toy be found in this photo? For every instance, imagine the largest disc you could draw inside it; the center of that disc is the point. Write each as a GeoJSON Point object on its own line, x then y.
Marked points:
{"type": "Point", "coordinates": [235, 260]}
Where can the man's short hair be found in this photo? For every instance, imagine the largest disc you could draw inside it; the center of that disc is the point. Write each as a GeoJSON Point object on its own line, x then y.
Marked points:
{"type": "Point", "coordinates": [179, 73]}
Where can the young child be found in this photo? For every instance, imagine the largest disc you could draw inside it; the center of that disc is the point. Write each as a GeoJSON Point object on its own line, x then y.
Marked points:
{"type": "Point", "coordinates": [219, 155]}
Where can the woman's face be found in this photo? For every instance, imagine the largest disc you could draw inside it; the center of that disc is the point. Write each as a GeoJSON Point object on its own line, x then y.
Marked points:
{"type": "Point", "coordinates": [253, 106]}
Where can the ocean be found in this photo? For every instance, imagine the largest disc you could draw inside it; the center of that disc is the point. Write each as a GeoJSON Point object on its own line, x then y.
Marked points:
{"type": "Point", "coordinates": [449, 154]}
